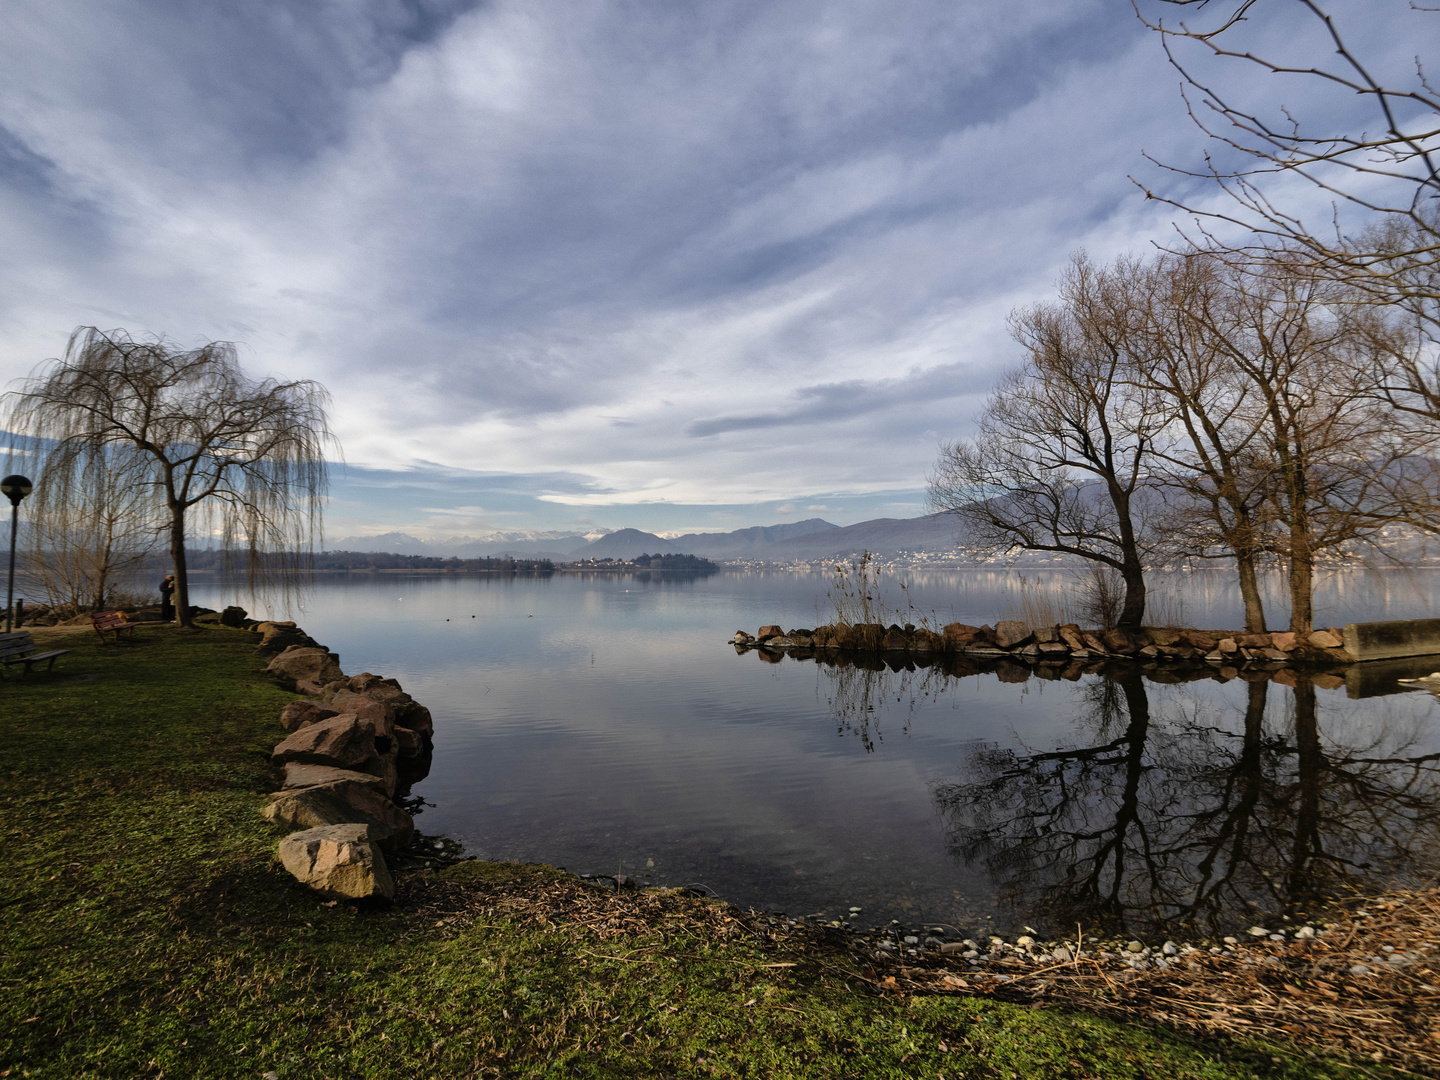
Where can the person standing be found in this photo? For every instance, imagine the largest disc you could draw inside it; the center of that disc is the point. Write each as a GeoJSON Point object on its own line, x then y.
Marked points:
{"type": "Point", "coordinates": [167, 606]}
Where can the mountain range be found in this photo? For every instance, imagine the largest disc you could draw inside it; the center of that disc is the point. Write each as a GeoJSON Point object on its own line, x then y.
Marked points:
{"type": "Point", "coordinates": [813, 538]}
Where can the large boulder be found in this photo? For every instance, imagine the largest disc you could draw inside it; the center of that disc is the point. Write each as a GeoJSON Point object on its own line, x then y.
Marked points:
{"type": "Point", "coordinates": [343, 802]}
{"type": "Point", "coordinates": [1324, 639]}
{"type": "Point", "coordinates": [923, 640]}
{"type": "Point", "coordinates": [1284, 641]}
{"type": "Point", "coordinates": [1070, 635]}
{"type": "Point", "coordinates": [304, 664]}
{"type": "Point", "coordinates": [299, 714]}
{"type": "Point", "coordinates": [233, 616]}
{"type": "Point", "coordinates": [346, 741]}
{"type": "Point", "coordinates": [959, 636]}
{"type": "Point", "coordinates": [386, 704]}
{"type": "Point", "coordinates": [1011, 632]}
{"type": "Point", "coordinates": [339, 861]}
{"type": "Point", "coordinates": [895, 640]}
{"type": "Point", "coordinates": [1199, 639]}
{"type": "Point", "coordinates": [867, 636]}
{"type": "Point", "coordinates": [299, 774]}
{"type": "Point", "coordinates": [768, 632]}
{"type": "Point", "coordinates": [1118, 641]}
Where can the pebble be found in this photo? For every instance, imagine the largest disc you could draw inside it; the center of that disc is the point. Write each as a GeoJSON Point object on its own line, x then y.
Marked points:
{"type": "Point", "coordinates": [1024, 941]}
{"type": "Point", "coordinates": [1231, 941]}
{"type": "Point", "coordinates": [1277, 937]}
{"type": "Point", "coordinates": [1135, 947]}
{"type": "Point", "coordinates": [1359, 969]}
{"type": "Point", "coordinates": [1305, 932]}
{"type": "Point", "coordinates": [911, 939]}
{"type": "Point", "coordinates": [1062, 954]}
{"type": "Point", "coordinates": [1170, 949]}
{"type": "Point", "coordinates": [1256, 931]}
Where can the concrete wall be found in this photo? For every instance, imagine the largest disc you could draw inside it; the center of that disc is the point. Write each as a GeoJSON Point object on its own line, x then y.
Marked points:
{"type": "Point", "coordinates": [1382, 640]}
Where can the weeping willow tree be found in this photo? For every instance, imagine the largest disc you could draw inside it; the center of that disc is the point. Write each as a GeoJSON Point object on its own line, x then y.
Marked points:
{"type": "Point", "coordinates": [84, 549]}
{"type": "Point", "coordinates": [237, 461]}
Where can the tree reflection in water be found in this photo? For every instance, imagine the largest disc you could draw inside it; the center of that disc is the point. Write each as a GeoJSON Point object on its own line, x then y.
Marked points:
{"type": "Point", "coordinates": [1178, 814]}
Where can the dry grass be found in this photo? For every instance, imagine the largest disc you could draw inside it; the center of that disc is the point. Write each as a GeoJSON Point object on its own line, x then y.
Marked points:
{"type": "Point", "coordinates": [1300, 992]}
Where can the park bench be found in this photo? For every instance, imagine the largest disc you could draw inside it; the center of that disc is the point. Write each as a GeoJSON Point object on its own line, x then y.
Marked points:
{"type": "Point", "coordinates": [111, 622]}
{"type": "Point", "coordinates": [19, 648]}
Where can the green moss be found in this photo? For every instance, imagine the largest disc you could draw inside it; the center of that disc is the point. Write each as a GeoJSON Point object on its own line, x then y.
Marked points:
{"type": "Point", "coordinates": [147, 930]}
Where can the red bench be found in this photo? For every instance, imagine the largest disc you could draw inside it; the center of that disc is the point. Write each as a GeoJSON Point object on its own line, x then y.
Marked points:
{"type": "Point", "coordinates": [111, 622]}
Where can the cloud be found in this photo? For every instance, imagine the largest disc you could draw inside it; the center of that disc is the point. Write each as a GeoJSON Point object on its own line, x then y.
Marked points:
{"type": "Point", "coordinates": [729, 254]}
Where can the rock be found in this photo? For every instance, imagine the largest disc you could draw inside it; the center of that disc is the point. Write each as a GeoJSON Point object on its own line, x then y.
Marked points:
{"type": "Point", "coordinates": [840, 637]}
{"type": "Point", "coordinates": [741, 637]}
{"type": "Point", "coordinates": [768, 632]}
{"type": "Point", "coordinates": [1170, 949]}
{"type": "Point", "coordinates": [1116, 640]}
{"type": "Point", "coordinates": [950, 947]}
{"type": "Point", "coordinates": [1092, 642]}
{"type": "Point", "coordinates": [1227, 646]}
{"type": "Point", "coordinates": [867, 636]}
{"type": "Point", "coordinates": [339, 861]}
{"type": "Point", "coordinates": [299, 662]}
{"type": "Point", "coordinates": [958, 635]}
{"type": "Point", "coordinates": [340, 803]}
{"type": "Point", "coordinates": [1070, 635]}
{"type": "Point", "coordinates": [1062, 954]}
{"type": "Point", "coordinates": [1304, 932]}
{"type": "Point", "coordinates": [1199, 639]}
{"type": "Point", "coordinates": [299, 714]}
{"type": "Point", "coordinates": [1054, 650]}
{"type": "Point", "coordinates": [1359, 969]}
{"type": "Point", "coordinates": [1271, 654]}
{"type": "Point", "coordinates": [1253, 641]}
{"type": "Point", "coordinates": [781, 642]}
{"type": "Point", "coordinates": [1135, 947]}
{"type": "Point", "coordinates": [298, 775]}
{"type": "Point", "coordinates": [1258, 932]}
{"type": "Point", "coordinates": [801, 641]}
{"type": "Point", "coordinates": [926, 641]}
{"type": "Point", "coordinates": [1163, 635]}
{"type": "Point", "coordinates": [1285, 641]}
{"type": "Point", "coordinates": [409, 742]}
{"type": "Point", "coordinates": [344, 741]}
{"type": "Point", "coordinates": [895, 640]}
{"type": "Point", "coordinates": [1044, 634]}
{"type": "Point", "coordinates": [1150, 652]}
{"type": "Point", "coordinates": [1010, 633]}
{"type": "Point", "coordinates": [233, 616]}
{"type": "Point", "coordinates": [1324, 639]}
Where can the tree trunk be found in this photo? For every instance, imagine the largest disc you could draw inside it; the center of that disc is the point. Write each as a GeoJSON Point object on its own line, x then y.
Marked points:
{"type": "Point", "coordinates": [177, 558]}
{"type": "Point", "coordinates": [1250, 593]}
{"type": "Point", "coordinates": [1302, 579]}
{"type": "Point", "coordinates": [1132, 615]}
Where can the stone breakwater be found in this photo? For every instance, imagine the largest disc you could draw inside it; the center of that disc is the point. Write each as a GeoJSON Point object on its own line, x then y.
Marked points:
{"type": "Point", "coordinates": [1062, 643]}
{"type": "Point", "coordinates": [355, 744]}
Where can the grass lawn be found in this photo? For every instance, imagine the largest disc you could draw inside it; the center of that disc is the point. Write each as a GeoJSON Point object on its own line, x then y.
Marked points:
{"type": "Point", "coordinates": [147, 930]}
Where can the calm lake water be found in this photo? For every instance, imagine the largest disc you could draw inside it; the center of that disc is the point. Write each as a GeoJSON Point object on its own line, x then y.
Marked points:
{"type": "Point", "coordinates": [604, 724]}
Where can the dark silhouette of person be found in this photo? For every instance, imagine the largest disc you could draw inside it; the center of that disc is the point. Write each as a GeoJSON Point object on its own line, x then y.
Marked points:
{"type": "Point", "coordinates": [167, 606]}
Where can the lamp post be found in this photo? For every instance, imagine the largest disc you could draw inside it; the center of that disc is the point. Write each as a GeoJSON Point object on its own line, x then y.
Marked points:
{"type": "Point", "coordinates": [14, 487]}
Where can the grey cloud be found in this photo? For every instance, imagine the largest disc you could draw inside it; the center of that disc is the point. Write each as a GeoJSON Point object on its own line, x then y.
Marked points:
{"type": "Point", "coordinates": [835, 401]}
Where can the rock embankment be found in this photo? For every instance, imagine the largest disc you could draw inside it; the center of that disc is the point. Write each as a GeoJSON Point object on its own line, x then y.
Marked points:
{"type": "Point", "coordinates": [1061, 643]}
{"type": "Point", "coordinates": [355, 744]}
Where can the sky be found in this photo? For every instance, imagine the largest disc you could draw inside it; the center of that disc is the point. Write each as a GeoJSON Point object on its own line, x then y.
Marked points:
{"type": "Point", "coordinates": [596, 263]}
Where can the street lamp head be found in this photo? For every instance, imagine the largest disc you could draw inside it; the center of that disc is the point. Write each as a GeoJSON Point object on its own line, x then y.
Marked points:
{"type": "Point", "coordinates": [15, 487]}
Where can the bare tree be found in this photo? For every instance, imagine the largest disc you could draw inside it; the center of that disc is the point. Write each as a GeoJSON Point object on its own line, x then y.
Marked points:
{"type": "Point", "coordinates": [1060, 460]}
{"type": "Point", "coordinates": [86, 542]}
{"type": "Point", "coordinates": [1213, 456]}
{"type": "Point", "coordinates": [1339, 468]}
{"type": "Point", "coordinates": [236, 460]}
{"type": "Point", "coordinates": [1382, 177]}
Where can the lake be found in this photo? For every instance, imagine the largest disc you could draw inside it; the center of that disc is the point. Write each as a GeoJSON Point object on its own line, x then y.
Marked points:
{"type": "Point", "coordinates": [604, 724]}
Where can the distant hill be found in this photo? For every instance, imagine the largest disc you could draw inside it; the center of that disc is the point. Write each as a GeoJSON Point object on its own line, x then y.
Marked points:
{"type": "Point", "coordinates": [934, 534]}
{"type": "Point", "coordinates": [740, 544]}
{"type": "Point", "coordinates": [813, 538]}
